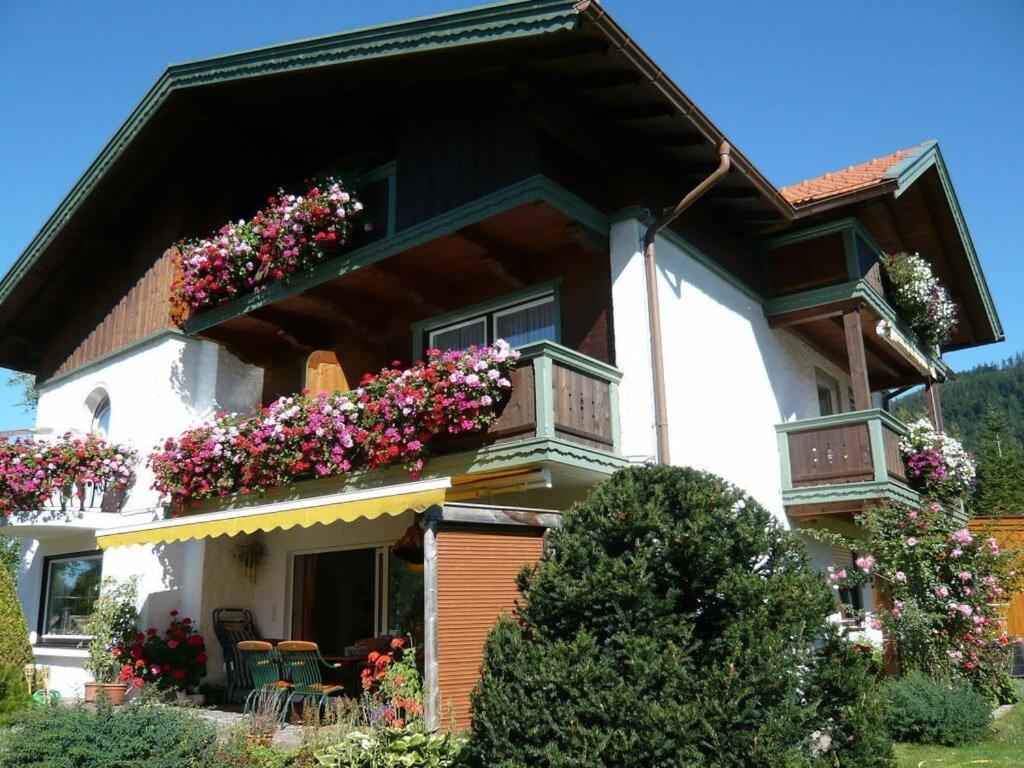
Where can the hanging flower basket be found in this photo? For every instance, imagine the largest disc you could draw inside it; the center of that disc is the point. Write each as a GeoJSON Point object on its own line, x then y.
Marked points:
{"type": "Point", "coordinates": [922, 301]}
{"type": "Point", "coordinates": [937, 464]}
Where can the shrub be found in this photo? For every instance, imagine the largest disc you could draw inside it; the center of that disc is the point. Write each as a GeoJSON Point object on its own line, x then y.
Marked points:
{"type": "Point", "coordinates": [112, 626]}
{"type": "Point", "coordinates": [14, 648]}
{"type": "Point", "coordinates": [937, 712]}
{"type": "Point", "coordinates": [238, 752]}
{"type": "Point", "coordinates": [133, 736]}
{"type": "Point", "coordinates": [14, 695]}
{"type": "Point", "coordinates": [845, 683]}
{"type": "Point", "coordinates": [667, 625]}
{"type": "Point", "coordinates": [392, 748]}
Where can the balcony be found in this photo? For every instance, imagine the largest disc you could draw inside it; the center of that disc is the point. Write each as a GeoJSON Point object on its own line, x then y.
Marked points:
{"type": "Point", "coordinates": [834, 464]}
{"type": "Point", "coordinates": [561, 418]}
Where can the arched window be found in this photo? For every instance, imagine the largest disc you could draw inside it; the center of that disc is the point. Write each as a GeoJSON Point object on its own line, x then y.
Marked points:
{"type": "Point", "coordinates": [98, 404]}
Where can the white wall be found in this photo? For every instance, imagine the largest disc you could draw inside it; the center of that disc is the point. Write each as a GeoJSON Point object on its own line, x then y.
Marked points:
{"type": "Point", "coordinates": [156, 390]}
{"type": "Point", "coordinates": [729, 377]}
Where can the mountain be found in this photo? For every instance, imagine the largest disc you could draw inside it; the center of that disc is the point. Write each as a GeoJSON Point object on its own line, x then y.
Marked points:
{"type": "Point", "coordinates": [966, 401]}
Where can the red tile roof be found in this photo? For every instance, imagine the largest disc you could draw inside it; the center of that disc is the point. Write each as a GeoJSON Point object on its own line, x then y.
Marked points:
{"type": "Point", "coordinates": [851, 179]}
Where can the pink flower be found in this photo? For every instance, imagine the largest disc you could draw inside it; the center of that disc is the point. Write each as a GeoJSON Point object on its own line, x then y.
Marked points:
{"type": "Point", "coordinates": [912, 542]}
{"type": "Point", "coordinates": [866, 563]}
{"type": "Point", "coordinates": [900, 576]}
{"type": "Point", "coordinates": [963, 536]}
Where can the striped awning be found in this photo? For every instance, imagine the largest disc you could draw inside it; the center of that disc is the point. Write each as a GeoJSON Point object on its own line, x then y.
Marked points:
{"type": "Point", "coordinates": [340, 507]}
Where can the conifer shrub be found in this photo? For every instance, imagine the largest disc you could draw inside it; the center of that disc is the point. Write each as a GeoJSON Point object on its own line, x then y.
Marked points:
{"type": "Point", "coordinates": [672, 622]}
{"type": "Point", "coordinates": [134, 736]}
{"type": "Point", "coordinates": [947, 712]}
{"type": "Point", "coordinates": [14, 696]}
{"type": "Point", "coordinates": [15, 650]}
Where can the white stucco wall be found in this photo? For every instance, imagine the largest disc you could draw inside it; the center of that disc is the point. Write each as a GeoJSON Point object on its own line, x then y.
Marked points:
{"type": "Point", "coordinates": [156, 389]}
{"type": "Point", "coordinates": [729, 377]}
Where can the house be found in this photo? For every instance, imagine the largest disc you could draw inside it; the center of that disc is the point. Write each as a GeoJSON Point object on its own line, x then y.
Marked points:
{"type": "Point", "coordinates": [511, 157]}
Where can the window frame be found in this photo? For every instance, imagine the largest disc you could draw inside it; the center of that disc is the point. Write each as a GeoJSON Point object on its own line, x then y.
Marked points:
{"type": "Point", "coordinates": [423, 331]}
{"type": "Point", "coordinates": [44, 597]}
{"type": "Point", "coordinates": [823, 380]}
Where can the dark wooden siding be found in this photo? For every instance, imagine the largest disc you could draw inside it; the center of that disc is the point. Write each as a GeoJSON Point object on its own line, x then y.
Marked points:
{"type": "Point", "coordinates": [140, 311]}
{"type": "Point", "coordinates": [477, 568]}
{"type": "Point", "coordinates": [831, 455]}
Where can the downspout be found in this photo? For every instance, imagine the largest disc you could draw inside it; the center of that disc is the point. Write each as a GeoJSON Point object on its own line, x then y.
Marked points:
{"type": "Point", "coordinates": [653, 306]}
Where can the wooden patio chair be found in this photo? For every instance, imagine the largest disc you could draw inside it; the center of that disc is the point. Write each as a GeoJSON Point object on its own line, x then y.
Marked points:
{"type": "Point", "coordinates": [263, 666]}
{"type": "Point", "coordinates": [303, 664]}
{"type": "Point", "coordinates": [233, 626]}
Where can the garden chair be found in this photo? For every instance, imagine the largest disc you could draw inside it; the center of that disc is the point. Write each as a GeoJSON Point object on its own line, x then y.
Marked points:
{"type": "Point", "coordinates": [263, 667]}
{"type": "Point", "coordinates": [233, 626]}
{"type": "Point", "coordinates": [302, 665]}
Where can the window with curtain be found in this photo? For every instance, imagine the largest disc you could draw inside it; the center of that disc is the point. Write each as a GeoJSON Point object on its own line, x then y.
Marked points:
{"type": "Point", "coordinates": [71, 586]}
{"type": "Point", "coordinates": [517, 323]}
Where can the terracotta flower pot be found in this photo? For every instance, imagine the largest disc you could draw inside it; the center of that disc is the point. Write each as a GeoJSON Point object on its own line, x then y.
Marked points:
{"type": "Point", "coordinates": [115, 692]}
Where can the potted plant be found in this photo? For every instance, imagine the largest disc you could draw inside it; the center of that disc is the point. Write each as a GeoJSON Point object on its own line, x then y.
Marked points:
{"type": "Point", "coordinates": [173, 661]}
{"type": "Point", "coordinates": [112, 625]}
{"type": "Point", "coordinates": [264, 717]}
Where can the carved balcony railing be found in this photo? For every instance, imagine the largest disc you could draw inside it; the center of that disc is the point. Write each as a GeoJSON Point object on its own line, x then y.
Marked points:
{"type": "Point", "coordinates": [557, 394]}
{"type": "Point", "coordinates": [843, 460]}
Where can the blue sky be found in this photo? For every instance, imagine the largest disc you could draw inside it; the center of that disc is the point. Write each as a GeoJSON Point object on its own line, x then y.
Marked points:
{"type": "Point", "coordinates": [801, 87]}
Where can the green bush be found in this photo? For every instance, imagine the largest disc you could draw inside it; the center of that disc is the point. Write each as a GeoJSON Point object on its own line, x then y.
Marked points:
{"type": "Point", "coordinates": [671, 623]}
{"type": "Point", "coordinates": [392, 748]}
{"type": "Point", "coordinates": [237, 752]}
{"type": "Point", "coordinates": [935, 712]}
{"type": "Point", "coordinates": [133, 736]}
{"type": "Point", "coordinates": [14, 695]}
{"type": "Point", "coordinates": [14, 648]}
{"type": "Point", "coordinates": [845, 683]}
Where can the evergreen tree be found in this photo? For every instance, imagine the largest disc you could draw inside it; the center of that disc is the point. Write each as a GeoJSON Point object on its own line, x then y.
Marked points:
{"type": "Point", "coordinates": [671, 623]}
{"type": "Point", "coordinates": [14, 648]}
{"type": "Point", "coordinates": [1000, 488]}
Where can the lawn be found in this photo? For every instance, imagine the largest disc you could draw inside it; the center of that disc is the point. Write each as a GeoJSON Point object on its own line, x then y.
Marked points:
{"type": "Point", "coordinates": [1004, 747]}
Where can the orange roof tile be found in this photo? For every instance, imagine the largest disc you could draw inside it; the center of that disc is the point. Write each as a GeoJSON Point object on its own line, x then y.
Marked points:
{"type": "Point", "coordinates": [851, 179]}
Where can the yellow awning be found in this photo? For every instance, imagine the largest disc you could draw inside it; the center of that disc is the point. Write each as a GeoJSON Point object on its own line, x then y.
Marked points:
{"type": "Point", "coordinates": [339, 507]}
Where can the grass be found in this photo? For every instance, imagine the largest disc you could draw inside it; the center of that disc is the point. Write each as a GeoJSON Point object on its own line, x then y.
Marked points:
{"type": "Point", "coordinates": [1004, 747]}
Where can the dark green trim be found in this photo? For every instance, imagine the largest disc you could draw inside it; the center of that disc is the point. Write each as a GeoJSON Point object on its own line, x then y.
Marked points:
{"type": "Point", "coordinates": [571, 359]}
{"type": "Point", "coordinates": [528, 190]}
{"type": "Point", "coordinates": [839, 225]}
{"type": "Point", "coordinates": [550, 287]}
{"type": "Point", "coordinates": [843, 419]}
{"type": "Point", "coordinates": [645, 218]}
{"type": "Point", "coordinates": [906, 172]}
{"type": "Point", "coordinates": [110, 356]}
{"type": "Point", "coordinates": [517, 19]}
{"type": "Point", "coordinates": [864, 491]}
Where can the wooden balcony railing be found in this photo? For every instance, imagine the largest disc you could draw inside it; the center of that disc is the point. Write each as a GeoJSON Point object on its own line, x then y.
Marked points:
{"type": "Point", "coordinates": [556, 393]}
{"type": "Point", "coordinates": [856, 447]}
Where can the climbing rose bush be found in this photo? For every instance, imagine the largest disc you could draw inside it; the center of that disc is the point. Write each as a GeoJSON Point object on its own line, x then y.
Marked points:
{"type": "Point", "coordinates": [389, 419]}
{"type": "Point", "coordinates": [37, 475]}
{"type": "Point", "coordinates": [920, 298]}
{"type": "Point", "coordinates": [945, 589]}
{"type": "Point", "coordinates": [292, 233]}
{"type": "Point", "coordinates": [938, 464]}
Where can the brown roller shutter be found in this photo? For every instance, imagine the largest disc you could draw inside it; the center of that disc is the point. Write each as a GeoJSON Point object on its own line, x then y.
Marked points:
{"type": "Point", "coordinates": [476, 582]}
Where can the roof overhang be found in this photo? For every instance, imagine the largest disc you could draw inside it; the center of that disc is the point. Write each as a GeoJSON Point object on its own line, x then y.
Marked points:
{"type": "Point", "coordinates": [914, 207]}
{"type": "Point", "coordinates": [555, 47]}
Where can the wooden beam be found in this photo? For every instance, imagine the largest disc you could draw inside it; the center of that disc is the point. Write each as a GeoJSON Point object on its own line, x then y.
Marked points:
{"type": "Point", "coordinates": [857, 359]}
{"type": "Point", "coordinates": [494, 265]}
{"type": "Point", "coordinates": [934, 404]}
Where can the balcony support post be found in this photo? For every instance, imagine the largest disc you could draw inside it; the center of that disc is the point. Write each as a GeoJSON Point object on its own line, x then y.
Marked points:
{"type": "Point", "coordinates": [857, 359]}
{"type": "Point", "coordinates": [875, 433]}
{"type": "Point", "coordinates": [934, 404]}
{"type": "Point", "coordinates": [544, 391]}
{"type": "Point", "coordinates": [784, 463]}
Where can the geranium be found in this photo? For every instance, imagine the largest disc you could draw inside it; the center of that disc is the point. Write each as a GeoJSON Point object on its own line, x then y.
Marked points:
{"type": "Point", "coordinates": [391, 682]}
{"type": "Point", "coordinates": [920, 298]}
{"type": "Point", "coordinates": [35, 475]}
{"type": "Point", "coordinates": [175, 659]}
{"type": "Point", "coordinates": [938, 464]}
{"type": "Point", "coordinates": [390, 419]}
{"type": "Point", "coordinates": [292, 233]}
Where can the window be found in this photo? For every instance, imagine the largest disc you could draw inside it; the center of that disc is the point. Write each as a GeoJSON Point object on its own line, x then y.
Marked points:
{"type": "Point", "coordinates": [533, 318]}
{"type": "Point", "coordinates": [101, 418]}
{"type": "Point", "coordinates": [71, 584]}
{"type": "Point", "coordinates": [828, 393]}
